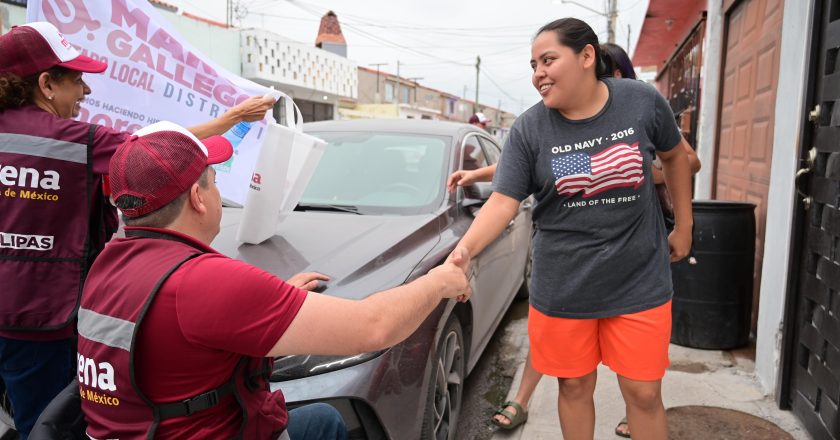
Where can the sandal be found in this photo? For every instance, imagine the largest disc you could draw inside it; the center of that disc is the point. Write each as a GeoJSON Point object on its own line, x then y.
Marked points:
{"type": "Point", "coordinates": [622, 433]}
{"type": "Point", "coordinates": [517, 419]}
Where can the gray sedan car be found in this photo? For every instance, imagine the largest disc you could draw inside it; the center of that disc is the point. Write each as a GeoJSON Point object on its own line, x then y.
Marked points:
{"type": "Point", "coordinates": [375, 215]}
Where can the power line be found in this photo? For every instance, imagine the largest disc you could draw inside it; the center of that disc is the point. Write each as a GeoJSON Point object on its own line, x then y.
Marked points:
{"type": "Point", "coordinates": [631, 6]}
{"type": "Point", "coordinates": [386, 42]}
{"type": "Point", "coordinates": [498, 87]}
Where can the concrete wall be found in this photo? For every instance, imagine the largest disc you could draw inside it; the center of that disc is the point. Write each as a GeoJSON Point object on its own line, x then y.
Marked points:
{"type": "Point", "coordinates": [428, 98]}
{"type": "Point", "coordinates": [219, 44]}
{"type": "Point", "coordinates": [367, 87]}
{"type": "Point", "coordinates": [790, 107]}
{"type": "Point", "coordinates": [710, 96]}
{"type": "Point", "coordinates": [11, 15]}
{"type": "Point", "coordinates": [271, 58]}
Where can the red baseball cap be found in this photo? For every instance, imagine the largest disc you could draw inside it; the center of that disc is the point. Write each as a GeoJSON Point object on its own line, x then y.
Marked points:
{"type": "Point", "coordinates": [479, 118]}
{"type": "Point", "coordinates": [160, 162]}
{"type": "Point", "coordinates": [35, 47]}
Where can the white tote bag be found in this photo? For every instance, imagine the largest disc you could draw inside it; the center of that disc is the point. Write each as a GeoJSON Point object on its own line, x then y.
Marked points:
{"type": "Point", "coordinates": [287, 160]}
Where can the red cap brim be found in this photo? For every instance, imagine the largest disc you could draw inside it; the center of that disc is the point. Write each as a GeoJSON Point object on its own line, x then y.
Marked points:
{"type": "Point", "coordinates": [219, 149]}
{"type": "Point", "coordinates": [84, 63]}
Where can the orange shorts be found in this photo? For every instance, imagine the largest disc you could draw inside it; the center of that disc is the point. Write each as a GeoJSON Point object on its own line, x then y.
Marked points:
{"type": "Point", "coordinates": [634, 346]}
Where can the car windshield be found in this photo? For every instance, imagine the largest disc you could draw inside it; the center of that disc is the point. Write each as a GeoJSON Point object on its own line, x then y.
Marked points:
{"type": "Point", "coordinates": [378, 173]}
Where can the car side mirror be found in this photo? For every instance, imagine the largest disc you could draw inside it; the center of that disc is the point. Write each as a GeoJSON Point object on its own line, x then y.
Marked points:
{"type": "Point", "coordinates": [477, 194]}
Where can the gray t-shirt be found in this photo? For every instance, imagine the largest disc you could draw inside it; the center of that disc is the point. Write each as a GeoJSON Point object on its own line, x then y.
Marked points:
{"type": "Point", "coordinates": [600, 248]}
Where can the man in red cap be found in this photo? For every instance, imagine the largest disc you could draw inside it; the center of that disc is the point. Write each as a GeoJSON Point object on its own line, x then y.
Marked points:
{"type": "Point", "coordinates": [55, 217]}
{"type": "Point", "coordinates": [479, 120]}
{"type": "Point", "coordinates": [175, 338]}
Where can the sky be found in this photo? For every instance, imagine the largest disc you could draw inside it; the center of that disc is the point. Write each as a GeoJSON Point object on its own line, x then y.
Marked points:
{"type": "Point", "coordinates": [436, 40]}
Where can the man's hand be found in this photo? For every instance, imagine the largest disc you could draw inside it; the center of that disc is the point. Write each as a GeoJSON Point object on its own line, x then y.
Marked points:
{"type": "Point", "coordinates": [679, 241]}
{"type": "Point", "coordinates": [307, 280]}
{"type": "Point", "coordinates": [253, 109]}
{"type": "Point", "coordinates": [460, 257]}
{"type": "Point", "coordinates": [461, 178]}
{"type": "Point", "coordinates": [452, 281]}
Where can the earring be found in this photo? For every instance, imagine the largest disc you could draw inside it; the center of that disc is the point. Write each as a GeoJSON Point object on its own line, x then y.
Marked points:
{"type": "Point", "coordinates": [51, 98]}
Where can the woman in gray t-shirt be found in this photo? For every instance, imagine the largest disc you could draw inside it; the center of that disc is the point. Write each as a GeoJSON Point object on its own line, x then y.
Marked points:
{"type": "Point", "coordinates": [601, 283]}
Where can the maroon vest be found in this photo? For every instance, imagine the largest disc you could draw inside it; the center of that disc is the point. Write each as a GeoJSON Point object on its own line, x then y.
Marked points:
{"type": "Point", "coordinates": [46, 190]}
{"type": "Point", "coordinates": [122, 286]}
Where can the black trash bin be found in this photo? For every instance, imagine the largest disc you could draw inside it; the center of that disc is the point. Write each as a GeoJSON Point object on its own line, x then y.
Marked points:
{"type": "Point", "coordinates": [713, 298]}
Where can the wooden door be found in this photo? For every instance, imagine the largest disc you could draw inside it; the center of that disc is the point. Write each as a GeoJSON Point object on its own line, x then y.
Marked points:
{"type": "Point", "coordinates": [745, 136]}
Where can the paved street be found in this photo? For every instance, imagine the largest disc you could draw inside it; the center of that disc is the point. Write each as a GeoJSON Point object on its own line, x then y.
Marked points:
{"type": "Point", "coordinates": [709, 378]}
{"type": "Point", "coordinates": [488, 384]}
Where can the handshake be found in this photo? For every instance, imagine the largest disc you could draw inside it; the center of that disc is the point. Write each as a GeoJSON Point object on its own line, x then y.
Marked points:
{"type": "Point", "coordinates": [449, 280]}
{"type": "Point", "coordinates": [451, 276]}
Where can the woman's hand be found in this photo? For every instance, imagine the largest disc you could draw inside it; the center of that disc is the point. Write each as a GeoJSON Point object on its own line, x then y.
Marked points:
{"type": "Point", "coordinates": [307, 280]}
{"type": "Point", "coordinates": [253, 109]}
{"type": "Point", "coordinates": [452, 280]}
{"type": "Point", "coordinates": [460, 257]}
{"type": "Point", "coordinates": [679, 241]}
{"type": "Point", "coordinates": [460, 178]}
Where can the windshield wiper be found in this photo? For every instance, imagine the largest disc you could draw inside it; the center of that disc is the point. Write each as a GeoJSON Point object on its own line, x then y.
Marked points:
{"type": "Point", "coordinates": [230, 203]}
{"type": "Point", "coordinates": [326, 207]}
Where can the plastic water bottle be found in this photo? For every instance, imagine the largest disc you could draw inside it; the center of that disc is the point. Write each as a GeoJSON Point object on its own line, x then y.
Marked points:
{"type": "Point", "coordinates": [234, 136]}
{"type": "Point", "coordinates": [240, 130]}
{"type": "Point", "coordinates": [237, 133]}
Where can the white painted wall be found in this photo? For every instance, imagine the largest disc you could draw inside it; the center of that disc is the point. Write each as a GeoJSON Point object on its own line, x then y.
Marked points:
{"type": "Point", "coordinates": [11, 15]}
{"type": "Point", "coordinates": [789, 123]}
{"type": "Point", "coordinates": [272, 58]}
{"type": "Point", "coordinates": [217, 43]}
{"type": "Point", "coordinates": [710, 97]}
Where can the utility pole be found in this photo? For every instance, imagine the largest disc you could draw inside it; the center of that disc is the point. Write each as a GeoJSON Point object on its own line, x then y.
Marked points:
{"type": "Point", "coordinates": [399, 80]}
{"type": "Point", "coordinates": [477, 71]}
{"type": "Point", "coordinates": [378, 96]}
{"type": "Point", "coordinates": [229, 13]}
{"type": "Point", "coordinates": [628, 39]}
{"type": "Point", "coordinates": [414, 79]}
{"type": "Point", "coordinates": [611, 15]}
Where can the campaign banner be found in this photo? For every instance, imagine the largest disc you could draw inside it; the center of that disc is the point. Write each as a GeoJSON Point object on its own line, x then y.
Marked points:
{"type": "Point", "coordinates": [153, 74]}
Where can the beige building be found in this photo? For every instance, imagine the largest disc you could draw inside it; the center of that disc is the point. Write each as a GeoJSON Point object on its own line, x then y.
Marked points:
{"type": "Point", "coordinates": [385, 95]}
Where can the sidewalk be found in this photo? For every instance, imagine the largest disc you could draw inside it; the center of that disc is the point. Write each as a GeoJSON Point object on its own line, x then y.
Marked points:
{"type": "Point", "coordinates": [696, 377]}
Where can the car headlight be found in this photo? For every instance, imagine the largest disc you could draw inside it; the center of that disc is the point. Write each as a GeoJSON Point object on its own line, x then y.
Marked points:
{"type": "Point", "coordinates": [300, 366]}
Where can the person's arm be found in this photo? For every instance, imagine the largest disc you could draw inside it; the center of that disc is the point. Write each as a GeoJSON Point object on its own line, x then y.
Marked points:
{"type": "Point", "coordinates": [693, 163]}
{"type": "Point", "coordinates": [493, 218]}
{"type": "Point", "coordinates": [677, 173]}
{"type": "Point", "coordinates": [693, 160]}
{"type": "Point", "coordinates": [468, 177]}
{"type": "Point", "coordinates": [252, 109]}
{"type": "Point", "coordinates": [327, 325]}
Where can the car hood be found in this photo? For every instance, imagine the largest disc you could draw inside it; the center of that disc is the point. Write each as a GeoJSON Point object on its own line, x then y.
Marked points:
{"type": "Point", "coordinates": [360, 253]}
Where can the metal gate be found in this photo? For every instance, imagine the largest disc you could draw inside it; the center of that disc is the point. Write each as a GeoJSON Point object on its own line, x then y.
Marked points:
{"type": "Point", "coordinates": [813, 349]}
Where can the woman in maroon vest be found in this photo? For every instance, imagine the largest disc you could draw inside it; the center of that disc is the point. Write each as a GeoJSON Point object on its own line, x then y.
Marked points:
{"type": "Point", "coordinates": [55, 218]}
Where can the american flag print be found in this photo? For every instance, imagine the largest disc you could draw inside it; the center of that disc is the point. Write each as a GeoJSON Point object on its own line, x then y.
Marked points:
{"type": "Point", "coordinates": [618, 166]}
